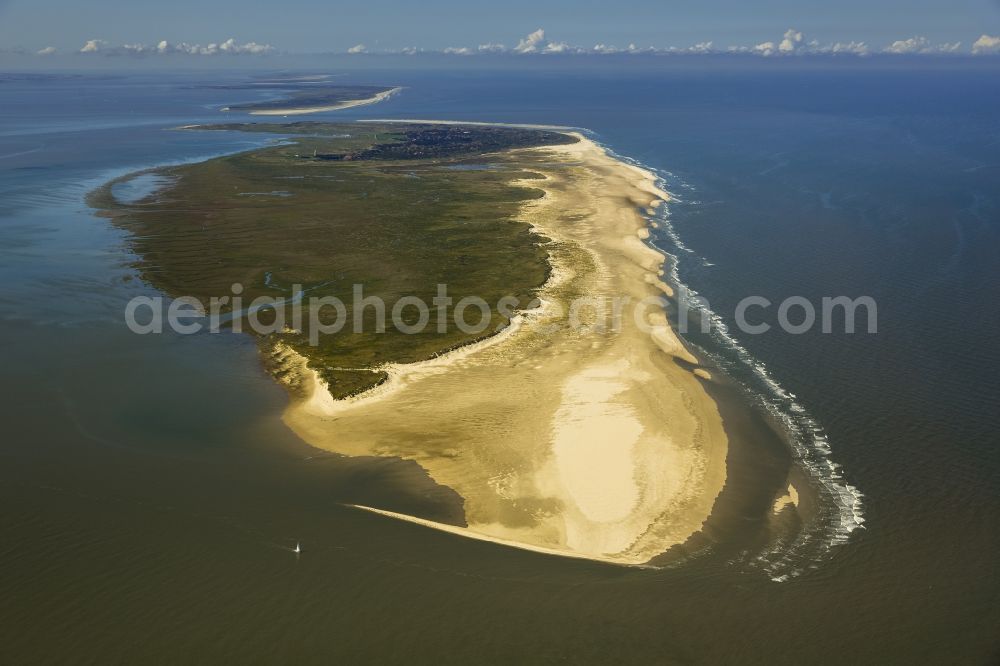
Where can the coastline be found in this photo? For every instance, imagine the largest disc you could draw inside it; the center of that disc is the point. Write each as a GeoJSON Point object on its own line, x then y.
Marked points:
{"type": "Point", "coordinates": [303, 110]}
{"type": "Point", "coordinates": [574, 443]}
{"type": "Point", "coordinates": [470, 123]}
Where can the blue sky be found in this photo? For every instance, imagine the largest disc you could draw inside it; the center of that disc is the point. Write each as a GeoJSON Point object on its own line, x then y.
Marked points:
{"type": "Point", "coordinates": [309, 26]}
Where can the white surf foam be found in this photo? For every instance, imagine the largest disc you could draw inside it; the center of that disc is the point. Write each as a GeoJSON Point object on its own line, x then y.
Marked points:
{"type": "Point", "coordinates": [842, 512]}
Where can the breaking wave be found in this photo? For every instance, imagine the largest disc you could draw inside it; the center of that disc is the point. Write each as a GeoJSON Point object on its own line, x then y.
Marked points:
{"type": "Point", "coordinates": [840, 509]}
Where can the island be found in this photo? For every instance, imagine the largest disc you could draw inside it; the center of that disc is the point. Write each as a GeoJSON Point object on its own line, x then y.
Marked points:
{"type": "Point", "coordinates": [305, 95]}
{"type": "Point", "coordinates": [564, 426]}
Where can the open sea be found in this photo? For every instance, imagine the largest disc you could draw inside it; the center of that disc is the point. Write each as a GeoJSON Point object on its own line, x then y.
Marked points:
{"type": "Point", "coordinates": [149, 492]}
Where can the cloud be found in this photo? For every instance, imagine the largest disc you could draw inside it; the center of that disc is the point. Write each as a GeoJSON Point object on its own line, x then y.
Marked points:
{"type": "Point", "coordinates": [947, 48]}
{"type": "Point", "coordinates": [228, 47]}
{"type": "Point", "coordinates": [857, 48]}
{"type": "Point", "coordinates": [911, 45]}
{"type": "Point", "coordinates": [531, 43]}
{"type": "Point", "coordinates": [791, 42]}
{"type": "Point", "coordinates": [765, 49]}
{"type": "Point", "coordinates": [699, 48]}
{"type": "Point", "coordinates": [604, 48]}
{"type": "Point", "coordinates": [48, 50]}
{"type": "Point", "coordinates": [136, 49]}
{"type": "Point", "coordinates": [920, 44]}
{"type": "Point", "coordinates": [986, 44]}
{"type": "Point", "coordinates": [794, 43]}
{"type": "Point", "coordinates": [252, 48]}
{"type": "Point", "coordinates": [94, 46]}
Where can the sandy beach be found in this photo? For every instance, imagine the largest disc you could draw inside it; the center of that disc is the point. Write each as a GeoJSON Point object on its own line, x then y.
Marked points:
{"type": "Point", "coordinates": [346, 104]}
{"type": "Point", "coordinates": [573, 441]}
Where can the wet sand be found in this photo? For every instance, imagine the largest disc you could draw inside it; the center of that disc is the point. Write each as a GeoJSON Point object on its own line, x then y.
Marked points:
{"type": "Point", "coordinates": [574, 441]}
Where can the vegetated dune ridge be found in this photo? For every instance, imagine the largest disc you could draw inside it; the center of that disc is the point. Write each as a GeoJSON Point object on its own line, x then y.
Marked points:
{"type": "Point", "coordinates": [568, 440]}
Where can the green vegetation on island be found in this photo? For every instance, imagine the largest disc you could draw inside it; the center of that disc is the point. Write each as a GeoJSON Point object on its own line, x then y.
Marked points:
{"type": "Point", "coordinates": [403, 209]}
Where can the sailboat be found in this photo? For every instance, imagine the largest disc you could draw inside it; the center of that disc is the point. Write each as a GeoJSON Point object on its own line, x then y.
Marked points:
{"type": "Point", "coordinates": [298, 548]}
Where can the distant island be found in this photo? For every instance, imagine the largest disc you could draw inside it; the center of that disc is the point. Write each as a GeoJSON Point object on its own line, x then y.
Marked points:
{"type": "Point", "coordinates": [307, 96]}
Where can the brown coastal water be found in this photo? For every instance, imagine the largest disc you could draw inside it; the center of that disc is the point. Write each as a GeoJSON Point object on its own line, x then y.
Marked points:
{"type": "Point", "coordinates": [165, 553]}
